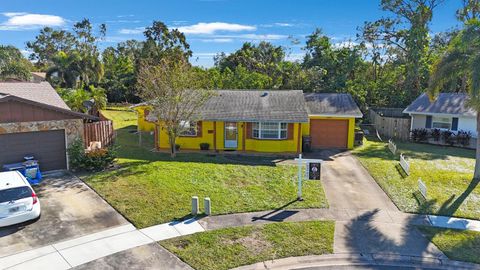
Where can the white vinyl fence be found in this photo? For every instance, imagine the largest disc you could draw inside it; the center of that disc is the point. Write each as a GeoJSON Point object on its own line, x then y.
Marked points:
{"type": "Point", "coordinates": [405, 164]}
{"type": "Point", "coordinates": [392, 146]}
{"type": "Point", "coordinates": [422, 188]}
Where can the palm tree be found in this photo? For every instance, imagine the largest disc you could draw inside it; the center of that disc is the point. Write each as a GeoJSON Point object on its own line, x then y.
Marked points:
{"type": "Point", "coordinates": [99, 98]}
{"type": "Point", "coordinates": [461, 62]}
{"type": "Point", "coordinates": [75, 99]}
{"type": "Point", "coordinates": [65, 68]}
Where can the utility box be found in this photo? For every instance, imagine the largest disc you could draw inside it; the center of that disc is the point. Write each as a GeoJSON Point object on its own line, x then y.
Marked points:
{"type": "Point", "coordinates": [208, 206]}
{"type": "Point", "coordinates": [195, 210]}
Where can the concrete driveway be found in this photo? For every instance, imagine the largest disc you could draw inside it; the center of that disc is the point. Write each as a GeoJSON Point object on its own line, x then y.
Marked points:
{"type": "Point", "coordinates": [375, 225]}
{"type": "Point", "coordinates": [69, 209]}
{"type": "Point", "coordinates": [348, 185]}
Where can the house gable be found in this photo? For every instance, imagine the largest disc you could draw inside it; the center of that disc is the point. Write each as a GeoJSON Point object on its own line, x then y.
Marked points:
{"type": "Point", "coordinates": [14, 109]}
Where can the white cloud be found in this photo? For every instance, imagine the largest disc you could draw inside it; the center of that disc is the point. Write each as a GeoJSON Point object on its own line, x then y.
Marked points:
{"type": "Point", "coordinates": [214, 27]}
{"type": "Point", "coordinates": [26, 21]}
{"type": "Point", "coordinates": [345, 44]}
{"type": "Point", "coordinates": [131, 31]}
{"type": "Point", "coordinates": [12, 14]}
{"type": "Point", "coordinates": [284, 24]}
{"type": "Point", "coordinates": [217, 40]}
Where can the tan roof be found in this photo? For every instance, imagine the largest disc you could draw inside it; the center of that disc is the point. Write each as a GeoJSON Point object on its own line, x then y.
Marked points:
{"type": "Point", "coordinates": [39, 92]}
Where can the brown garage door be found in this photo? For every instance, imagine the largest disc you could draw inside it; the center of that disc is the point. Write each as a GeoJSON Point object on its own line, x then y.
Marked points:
{"type": "Point", "coordinates": [329, 133]}
{"type": "Point", "coordinates": [46, 146]}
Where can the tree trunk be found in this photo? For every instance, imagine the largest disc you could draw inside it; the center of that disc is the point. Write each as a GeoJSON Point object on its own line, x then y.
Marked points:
{"type": "Point", "coordinates": [476, 173]}
{"type": "Point", "coordinates": [173, 150]}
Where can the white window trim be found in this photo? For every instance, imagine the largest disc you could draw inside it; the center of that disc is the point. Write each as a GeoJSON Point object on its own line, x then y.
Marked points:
{"type": "Point", "coordinates": [279, 131]}
{"type": "Point", "coordinates": [449, 122]}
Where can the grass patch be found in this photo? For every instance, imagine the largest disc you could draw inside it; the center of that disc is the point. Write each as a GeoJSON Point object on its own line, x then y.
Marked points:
{"type": "Point", "coordinates": [457, 245]}
{"type": "Point", "coordinates": [122, 117]}
{"type": "Point", "coordinates": [233, 247]}
{"type": "Point", "coordinates": [447, 172]}
{"type": "Point", "coordinates": [151, 188]}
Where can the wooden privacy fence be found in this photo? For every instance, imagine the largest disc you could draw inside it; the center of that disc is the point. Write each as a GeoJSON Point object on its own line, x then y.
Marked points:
{"type": "Point", "coordinates": [391, 123]}
{"type": "Point", "coordinates": [101, 131]}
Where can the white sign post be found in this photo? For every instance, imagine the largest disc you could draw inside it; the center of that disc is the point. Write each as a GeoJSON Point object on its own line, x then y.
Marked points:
{"type": "Point", "coordinates": [300, 176]}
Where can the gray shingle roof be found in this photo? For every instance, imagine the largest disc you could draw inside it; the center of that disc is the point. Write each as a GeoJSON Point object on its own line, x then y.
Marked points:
{"type": "Point", "coordinates": [332, 104]}
{"type": "Point", "coordinates": [256, 105]}
{"type": "Point", "coordinates": [39, 92]}
{"type": "Point", "coordinates": [445, 103]}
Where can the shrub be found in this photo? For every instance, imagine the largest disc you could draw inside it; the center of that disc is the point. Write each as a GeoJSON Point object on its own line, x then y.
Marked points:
{"type": "Point", "coordinates": [436, 134]}
{"type": "Point", "coordinates": [448, 137]}
{"type": "Point", "coordinates": [95, 160]}
{"type": "Point", "coordinates": [76, 153]}
{"type": "Point", "coordinates": [204, 146]}
{"type": "Point", "coordinates": [463, 138]}
{"type": "Point", "coordinates": [419, 135]}
{"type": "Point", "coordinates": [99, 159]}
{"type": "Point", "coordinates": [177, 147]}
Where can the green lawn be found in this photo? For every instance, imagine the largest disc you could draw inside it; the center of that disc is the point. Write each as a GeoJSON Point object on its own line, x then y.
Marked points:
{"type": "Point", "coordinates": [122, 117]}
{"type": "Point", "coordinates": [447, 172]}
{"type": "Point", "coordinates": [151, 188]}
{"type": "Point", "coordinates": [233, 247]}
{"type": "Point", "coordinates": [457, 245]}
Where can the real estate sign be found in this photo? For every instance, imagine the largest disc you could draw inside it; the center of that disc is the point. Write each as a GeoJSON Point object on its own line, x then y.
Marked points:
{"type": "Point", "coordinates": [313, 170]}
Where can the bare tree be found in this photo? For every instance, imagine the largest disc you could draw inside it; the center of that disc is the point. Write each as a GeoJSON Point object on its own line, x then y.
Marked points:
{"type": "Point", "coordinates": [176, 92]}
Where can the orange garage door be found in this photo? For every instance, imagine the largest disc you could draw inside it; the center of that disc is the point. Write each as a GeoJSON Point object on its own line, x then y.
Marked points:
{"type": "Point", "coordinates": [329, 133]}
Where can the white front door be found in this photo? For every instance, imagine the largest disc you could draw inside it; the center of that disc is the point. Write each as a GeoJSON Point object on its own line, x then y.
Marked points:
{"type": "Point", "coordinates": [231, 135]}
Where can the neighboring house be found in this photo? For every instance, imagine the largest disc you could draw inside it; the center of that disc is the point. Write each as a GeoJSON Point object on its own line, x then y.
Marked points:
{"type": "Point", "coordinates": [447, 112]}
{"type": "Point", "coordinates": [273, 121]}
{"type": "Point", "coordinates": [34, 120]}
{"type": "Point", "coordinates": [38, 77]}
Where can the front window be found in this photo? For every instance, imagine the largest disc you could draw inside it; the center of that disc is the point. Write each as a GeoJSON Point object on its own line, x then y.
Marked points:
{"type": "Point", "coordinates": [188, 128]}
{"type": "Point", "coordinates": [269, 130]}
{"type": "Point", "coordinates": [441, 122]}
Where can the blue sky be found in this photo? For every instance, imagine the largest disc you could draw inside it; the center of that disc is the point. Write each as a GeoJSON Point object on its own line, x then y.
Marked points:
{"type": "Point", "coordinates": [211, 26]}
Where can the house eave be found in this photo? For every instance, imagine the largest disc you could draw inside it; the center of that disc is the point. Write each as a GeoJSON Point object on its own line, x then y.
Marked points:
{"type": "Point", "coordinates": [337, 115]}
{"type": "Point", "coordinates": [439, 114]}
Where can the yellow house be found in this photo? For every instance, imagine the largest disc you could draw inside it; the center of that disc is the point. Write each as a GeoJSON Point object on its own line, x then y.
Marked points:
{"type": "Point", "coordinates": [271, 121]}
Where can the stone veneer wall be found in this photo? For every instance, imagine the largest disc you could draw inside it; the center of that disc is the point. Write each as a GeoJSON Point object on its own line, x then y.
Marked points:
{"type": "Point", "coordinates": [73, 127]}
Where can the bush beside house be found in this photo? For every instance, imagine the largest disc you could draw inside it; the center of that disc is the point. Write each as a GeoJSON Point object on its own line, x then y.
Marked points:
{"type": "Point", "coordinates": [92, 160]}
{"type": "Point", "coordinates": [442, 137]}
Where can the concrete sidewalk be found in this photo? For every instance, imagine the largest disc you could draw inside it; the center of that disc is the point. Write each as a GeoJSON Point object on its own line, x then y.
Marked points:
{"type": "Point", "coordinates": [75, 252]}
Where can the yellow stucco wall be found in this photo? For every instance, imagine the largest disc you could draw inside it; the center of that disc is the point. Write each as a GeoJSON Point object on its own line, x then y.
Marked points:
{"type": "Point", "coordinates": [275, 146]}
{"type": "Point", "coordinates": [141, 123]}
{"type": "Point", "coordinates": [351, 127]}
{"type": "Point", "coordinates": [254, 145]}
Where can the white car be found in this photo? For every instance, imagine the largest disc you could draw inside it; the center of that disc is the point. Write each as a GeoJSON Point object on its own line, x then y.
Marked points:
{"type": "Point", "coordinates": [18, 201]}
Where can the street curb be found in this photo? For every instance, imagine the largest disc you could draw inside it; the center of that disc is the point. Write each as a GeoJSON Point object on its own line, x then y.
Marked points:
{"type": "Point", "coordinates": [359, 259]}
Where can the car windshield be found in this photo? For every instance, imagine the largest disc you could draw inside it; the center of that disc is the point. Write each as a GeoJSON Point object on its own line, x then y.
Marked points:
{"type": "Point", "coordinates": [13, 194]}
